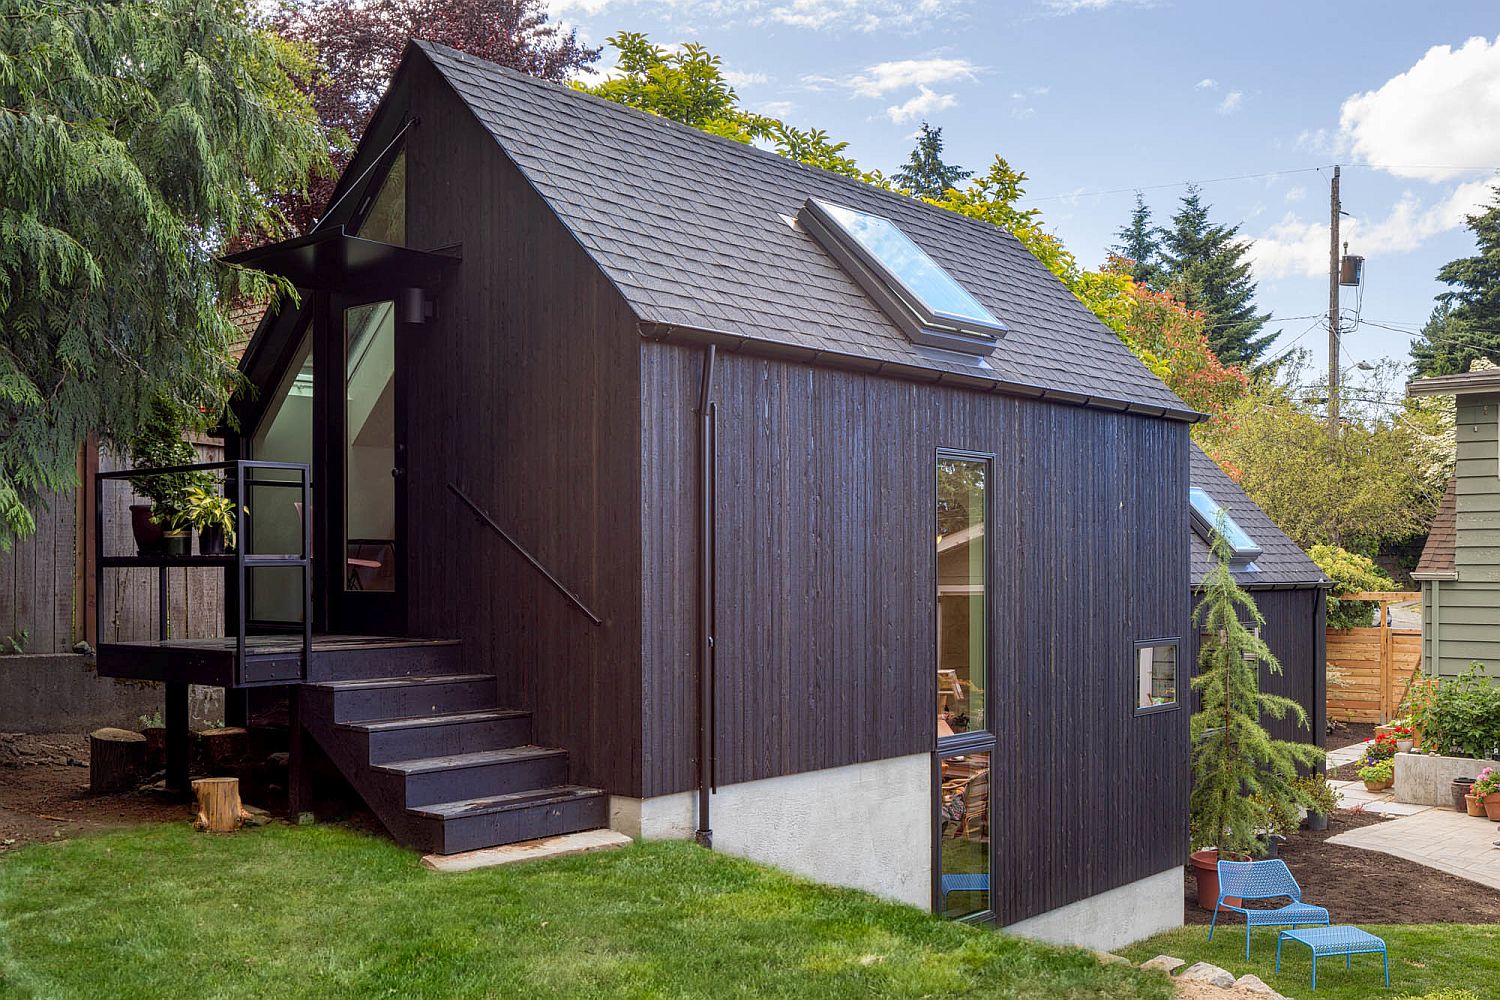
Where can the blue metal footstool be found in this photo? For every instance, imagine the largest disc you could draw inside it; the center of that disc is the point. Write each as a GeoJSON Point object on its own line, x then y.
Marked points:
{"type": "Point", "coordinates": [1340, 939]}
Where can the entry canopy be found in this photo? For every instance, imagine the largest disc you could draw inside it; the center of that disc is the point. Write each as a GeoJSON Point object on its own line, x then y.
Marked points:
{"type": "Point", "coordinates": [331, 260]}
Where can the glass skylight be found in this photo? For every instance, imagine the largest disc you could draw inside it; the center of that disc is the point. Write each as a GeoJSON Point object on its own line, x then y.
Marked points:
{"type": "Point", "coordinates": [932, 307]}
{"type": "Point", "coordinates": [1206, 514]}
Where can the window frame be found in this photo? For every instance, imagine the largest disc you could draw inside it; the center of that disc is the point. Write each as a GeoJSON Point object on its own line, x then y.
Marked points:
{"type": "Point", "coordinates": [1135, 658]}
{"type": "Point", "coordinates": [1240, 556]}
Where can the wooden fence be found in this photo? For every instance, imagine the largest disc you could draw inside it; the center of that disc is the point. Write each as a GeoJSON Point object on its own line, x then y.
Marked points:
{"type": "Point", "coordinates": [1370, 669]}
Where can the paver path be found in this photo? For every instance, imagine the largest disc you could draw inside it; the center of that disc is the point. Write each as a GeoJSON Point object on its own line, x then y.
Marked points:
{"type": "Point", "coordinates": [1354, 795]}
{"type": "Point", "coordinates": [1344, 755]}
{"type": "Point", "coordinates": [1438, 838]}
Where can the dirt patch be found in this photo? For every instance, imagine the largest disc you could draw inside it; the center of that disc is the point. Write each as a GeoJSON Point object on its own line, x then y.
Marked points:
{"type": "Point", "coordinates": [1361, 887]}
{"type": "Point", "coordinates": [1348, 734]}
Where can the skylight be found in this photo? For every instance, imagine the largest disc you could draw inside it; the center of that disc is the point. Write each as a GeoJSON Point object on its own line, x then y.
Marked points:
{"type": "Point", "coordinates": [1206, 514]}
{"type": "Point", "coordinates": [922, 298]}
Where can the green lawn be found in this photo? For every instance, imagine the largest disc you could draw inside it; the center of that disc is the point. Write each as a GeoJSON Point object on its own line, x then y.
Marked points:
{"type": "Point", "coordinates": [1425, 958]}
{"type": "Point", "coordinates": [324, 911]}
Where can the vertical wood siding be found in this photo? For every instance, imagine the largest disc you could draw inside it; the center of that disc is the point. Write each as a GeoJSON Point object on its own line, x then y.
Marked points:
{"type": "Point", "coordinates": [524, 392]}
{"type": "Point", "coordinates": [825, 607]}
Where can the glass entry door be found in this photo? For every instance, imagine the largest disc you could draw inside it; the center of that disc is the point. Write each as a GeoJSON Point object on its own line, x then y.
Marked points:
{"type": "Point", "coordinates": [365, 509]}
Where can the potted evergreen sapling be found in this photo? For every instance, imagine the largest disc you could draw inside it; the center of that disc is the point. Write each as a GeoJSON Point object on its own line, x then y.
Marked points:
{"type": "Point", "coordinates": [1243, 780]}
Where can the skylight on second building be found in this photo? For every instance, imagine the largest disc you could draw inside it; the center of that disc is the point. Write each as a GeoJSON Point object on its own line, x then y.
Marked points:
{"type": "Point", "coordinates": [916, 292]}
{"type": "Point", "coordinates": [1207, 515]}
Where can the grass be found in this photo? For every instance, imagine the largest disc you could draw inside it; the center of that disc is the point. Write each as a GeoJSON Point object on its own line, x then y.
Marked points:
{"type": "Point", "coordinates": [324, 911]}
{"type": "Point", "coordinates": [1425, 958]}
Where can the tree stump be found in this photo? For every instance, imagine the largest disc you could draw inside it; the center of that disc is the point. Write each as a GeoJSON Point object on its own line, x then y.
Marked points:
{"type": "Point", "coordinates": [224, 748]}
{"type": "Point", "coordinates": [117, 758]}
{"type": "Point", "coordinates": [219, 808]}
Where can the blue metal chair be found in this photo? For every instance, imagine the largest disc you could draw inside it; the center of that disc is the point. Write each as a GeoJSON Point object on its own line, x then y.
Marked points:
{"type": "Point", "coordinates": [978, 882]}
{"type": "Point", "coordinates": [1246, 880]}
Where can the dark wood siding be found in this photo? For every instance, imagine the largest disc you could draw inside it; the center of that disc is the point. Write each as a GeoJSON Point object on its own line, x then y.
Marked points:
{"type": "Point", "coordinates": [1294, 631]}
{"type": "Point", "coordinates": [524, 392]}
{"type": "Point", "coordinates": [825, 593]}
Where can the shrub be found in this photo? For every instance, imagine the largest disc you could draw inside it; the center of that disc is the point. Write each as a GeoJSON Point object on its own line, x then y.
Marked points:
{"type": "Point", "coordinates": [1350, 573]}
{"type": "Point", "coordinates": [1460, 716]}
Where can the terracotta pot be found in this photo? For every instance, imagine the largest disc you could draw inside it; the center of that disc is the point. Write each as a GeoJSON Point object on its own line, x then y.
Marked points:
{"type": "Point", "coordinates": [147, 532]}
{"type": "Point", "coordinates": [1205, 870]}
{"type": "Point", "coordinates": [1378, 786]}
{"type": "Point", "coordinates": [1473, 805]}
{"type": "Point", "coordinates": [1492, 806]}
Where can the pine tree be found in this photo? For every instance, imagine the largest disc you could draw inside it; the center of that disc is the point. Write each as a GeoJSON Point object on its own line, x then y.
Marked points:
{"type": "Point", "coordinates": [1244, 782]}
{"type": "Point", "coordinates": [1465, 325]}
{"type": "Point", "coordinates": [925, 174]}
{"type": "Point", "coordinates": [1205, 268]}
{"type": "Point", "coordinates": [136, 138]}
{"type": "Point", "coordinates": [1140, 244]}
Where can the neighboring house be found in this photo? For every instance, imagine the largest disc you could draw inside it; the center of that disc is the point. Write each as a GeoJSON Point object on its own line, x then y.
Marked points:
{"type": "Point", "coordinates": [1288, 588]}
{"type": "Point", "coordinates": [1460, 566]}
{"type": "Point", "coordinates": [843, 554]}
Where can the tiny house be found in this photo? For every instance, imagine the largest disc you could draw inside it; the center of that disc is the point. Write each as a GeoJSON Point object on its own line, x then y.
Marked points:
{"type": "Point", "coordinates": [659, 482]}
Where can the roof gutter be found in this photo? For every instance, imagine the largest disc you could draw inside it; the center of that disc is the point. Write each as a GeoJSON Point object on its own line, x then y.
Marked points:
{"type": "Point", "coordinates": [739, 344]}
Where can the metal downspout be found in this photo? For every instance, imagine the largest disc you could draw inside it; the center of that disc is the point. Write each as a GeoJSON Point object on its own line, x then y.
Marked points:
{"type": "Point", "coordinates": [707, 417]}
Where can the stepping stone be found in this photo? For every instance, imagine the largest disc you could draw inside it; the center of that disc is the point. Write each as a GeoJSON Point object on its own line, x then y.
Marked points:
{"type": "Point", "coordinates": [1204, 972]}
{"type": "Point", "coordinates": [527, 850]}
{"type": "Point", "coordinates": [1166, 963]}
{"type": "Point", "coordinates": [1256, 986]}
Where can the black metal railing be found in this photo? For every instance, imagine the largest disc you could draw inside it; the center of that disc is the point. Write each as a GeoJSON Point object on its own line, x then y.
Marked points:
{"type": "Point", "coordinates": [239, 477]}
{"type": "Point", "coordinates": [536, 563]}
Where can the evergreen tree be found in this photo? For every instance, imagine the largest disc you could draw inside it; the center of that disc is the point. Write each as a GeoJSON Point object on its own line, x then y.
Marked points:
{"type": "Point", "coordinates": [1243, 780]}
{"type": "Point", "coordinates": [925, 174]}
{"type": "Point", "coordinates": [136, 138]}
{"type": "Point", "coordinates": [1140, 244]}
{"type": "Point", "coordinates": [1465, 325]}
{"type": "Point", "coordinates": [1205, 268]}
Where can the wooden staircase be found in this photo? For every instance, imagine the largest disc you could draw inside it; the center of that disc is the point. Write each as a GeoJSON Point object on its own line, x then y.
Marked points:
{"type": "Point", "coordinates": [428, 747]}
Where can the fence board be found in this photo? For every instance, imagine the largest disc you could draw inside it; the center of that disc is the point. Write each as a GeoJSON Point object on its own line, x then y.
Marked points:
{"type": "Point", "coordinates": [1368, 690]}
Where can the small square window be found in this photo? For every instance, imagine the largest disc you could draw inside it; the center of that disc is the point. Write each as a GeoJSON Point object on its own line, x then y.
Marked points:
{"type": "Point", "coordinates": [1156, 675]}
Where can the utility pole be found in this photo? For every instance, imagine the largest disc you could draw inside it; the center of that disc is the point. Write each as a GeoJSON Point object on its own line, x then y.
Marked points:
{"type": "Point", "coordinates": [1333, 306]}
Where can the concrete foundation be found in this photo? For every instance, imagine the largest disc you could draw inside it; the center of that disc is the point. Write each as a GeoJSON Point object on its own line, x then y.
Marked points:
{"type": "Point", "coordinates": [1426, 780]}
{"type": "Point", "coordinates": [1112, 919]}
{"type": "Point", "coordinates": [61, 693]}
{"type": "Point", "coordinates": [867, 826]}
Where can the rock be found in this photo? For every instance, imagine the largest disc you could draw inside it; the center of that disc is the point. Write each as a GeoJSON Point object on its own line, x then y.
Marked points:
{"type": "Point", "coordinates": [1203, 972]}
{"type": "Point", "coordinates": [1255, 986]}
{"type": "Point", "coordinates": [1106, 958]}
{"type": "Point", "coordinates": [1166, 963]}
{"type": "Point", "coordinates": [256, 816]}
{"type": "Point", "coordinates": [306, 819]}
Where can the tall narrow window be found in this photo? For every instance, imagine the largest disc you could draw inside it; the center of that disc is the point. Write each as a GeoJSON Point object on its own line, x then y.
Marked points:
{"type": "Point", "coordinates": [370, 446]}
{"type": "Point", "coordinates": [962, 591]}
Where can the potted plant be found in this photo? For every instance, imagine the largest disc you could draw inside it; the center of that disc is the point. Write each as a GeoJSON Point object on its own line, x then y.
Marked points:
{"type": "Point", "coordinates": [1403, 736]}
{"type": "Point", "coordinates": [1474, 805]}
{"type": "Point", "coordinates": [1379, 775]}
{"type": "Point", "coordinates": [1487, 790]}
{"type": "Point", "coordinates": [1318, 798]}
{"type": "Point", "coordinates": [213, 515]}
{"type": "Point", "coordinates": [1231, 750]}
{"type": "Point", "coordinates": [159, 444]}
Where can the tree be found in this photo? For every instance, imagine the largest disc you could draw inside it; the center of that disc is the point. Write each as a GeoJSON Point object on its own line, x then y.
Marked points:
{"type": "Point", "coordinates": [359, 45]}
{"type": "Point", "coordinates": [1243, 780]}
{"type": "Point", "coordinates": [136, 138]}
{"type": "Point", "coordinates": [1351, 573]}
{"type": "Point", "coordinates": [1465, 325]}
{"type": "Point", "coordinates": [925, 174]}
{"type": "Point", "coordinates": [1140, 246]}
{"type": "Point", "coordinates": [1204, 267]}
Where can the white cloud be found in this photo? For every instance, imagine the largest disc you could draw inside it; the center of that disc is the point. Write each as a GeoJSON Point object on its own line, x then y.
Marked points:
{"type": "Point", "coordinates": [1436, 120]}
{"type": "Point", "coordinates": [921, 106]}
{"type": "Point", "coordinates": [1231, 103]}
{"type": "Point", "coordinates": [832, 15]}
{"type": "Point", "coordinates": [1207, 83]}
{"type": "Point", "coordinates": [1296, 193]}
{"type": "Point", "coordinates": [737, 78]}
{"type": "Point", "coordinates": [1295, 246]}
{"type": "Point", "coordinates": [1063, 7]}
{"type": "Point", "coordinates": [775, 109]}
{"type": "Point", "coordinates": [883, 78]}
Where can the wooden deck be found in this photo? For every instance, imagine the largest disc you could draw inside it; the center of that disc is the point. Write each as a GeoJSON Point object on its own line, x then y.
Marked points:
{"type": "Point", "coordinates": [269, 659]}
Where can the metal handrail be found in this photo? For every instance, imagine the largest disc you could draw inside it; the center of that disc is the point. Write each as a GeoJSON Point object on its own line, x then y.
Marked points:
{"type": "Point", "coordinates": [236, 485]}
{"type": "Point", "coordinates": [535, 562]}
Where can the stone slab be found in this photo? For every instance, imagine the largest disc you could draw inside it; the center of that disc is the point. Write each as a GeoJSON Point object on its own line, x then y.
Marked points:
{"type": "Point", "coordinates": [1438, 838]}
{"type": "Point", "coordinates": [1394, 808]}
{"type": "Point", "coordinates": [1425, 780]}
{"type": "Point", "coordinates": [527, 850]}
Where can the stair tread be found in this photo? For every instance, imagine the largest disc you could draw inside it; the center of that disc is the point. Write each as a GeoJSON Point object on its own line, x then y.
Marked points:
{"type": "Point", "coordinates": [478, 758]}
{"type": "Point", "coordinates": [439, 719]}
{"type": "Point", "coordinates": [371, 683]}
{"type": "Point", "coordinates": [491, 804]}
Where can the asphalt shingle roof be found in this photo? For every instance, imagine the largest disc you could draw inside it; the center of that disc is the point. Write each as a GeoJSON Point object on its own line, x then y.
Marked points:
{"type": "Point", "coordinates": [695, 232]}
{"type": "Point", "coordinates": [1440, 554]}
{"type": "Point", "coordinates": [1283, 563]}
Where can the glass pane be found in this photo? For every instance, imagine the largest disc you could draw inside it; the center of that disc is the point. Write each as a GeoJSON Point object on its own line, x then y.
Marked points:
{"type": "Point", "coordinates": [962, 587]}
{"type": "Point", "coordinates": [1156, 676]}
{"type": "Point", "coordinates": [964, 822]}
{"type": "Point", "coordinates": [386, 219]}
{"type": "Point", "coordinates": [1210, 510]}
{"type": "Point", "coordinates": [370, 447]}
{"type": "Point", "coordinates": [890, 248]}
{"type": "Point", "coordinates": [274, 522]}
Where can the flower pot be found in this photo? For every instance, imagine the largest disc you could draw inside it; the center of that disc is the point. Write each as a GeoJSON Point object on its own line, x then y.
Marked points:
{"type": "Point", "coordinates": [1403, 745]}
{"type": "Point", "coordinates": [1378, 786]}
{"type": "Point", "coordinates": [177, 544]}
{"type": "Point", "coordinates": [1492, 806]}
{"type": "Point", "coordinates": [1317, 822]}
{"type": "Point", "coordinates": [1473, 805]}
{"type": "Point", "coordinates": [148, 533]}
{"type": "Point", "coordinates": [1205, 870]}
{"type": "Point", "coordinates": [211, 541]}
{"type": "Point", "coordinates": [1460, 790]}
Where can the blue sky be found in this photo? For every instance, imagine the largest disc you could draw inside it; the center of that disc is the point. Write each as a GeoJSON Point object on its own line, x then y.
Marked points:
{"type": "Point", "coordinates": [1097, 98]}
